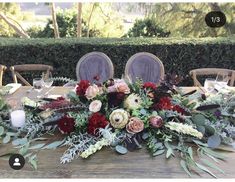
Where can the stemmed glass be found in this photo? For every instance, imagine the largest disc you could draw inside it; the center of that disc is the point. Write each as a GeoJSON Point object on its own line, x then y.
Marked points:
{"type": "Point", "coordinates": [47, 80]}
{"type": "Point", "coordinates": [209, 84]}
{"type": "Point", "coordinates": [222, 79]}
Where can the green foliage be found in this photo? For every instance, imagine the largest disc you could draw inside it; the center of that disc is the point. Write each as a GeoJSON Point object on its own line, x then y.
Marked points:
{"type": "Point", "coordinates": [67, 23]}
{"type": "Point", "coordinates": [188, 19]}
{"type": "Point", "coordinates": [180, 55]}
{"type": "Point", "coordinates": [147, 28]}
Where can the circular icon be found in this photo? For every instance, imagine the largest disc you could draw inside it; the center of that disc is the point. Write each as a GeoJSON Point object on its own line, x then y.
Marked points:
{"type": "Point", "coordinates": [16, 161]}
{"type": "Point", "coordinates": [215, 19]}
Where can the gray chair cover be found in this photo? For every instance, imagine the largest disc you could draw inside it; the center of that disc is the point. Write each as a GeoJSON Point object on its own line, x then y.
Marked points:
{"type": "Point", "coordinates": [145, 66]}
{"type": "Point", "coordinates": [94, 64]}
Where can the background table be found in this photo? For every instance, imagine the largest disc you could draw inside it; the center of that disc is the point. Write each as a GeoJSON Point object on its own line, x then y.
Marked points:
{"type": "Point", "coordinates": [105, 163]}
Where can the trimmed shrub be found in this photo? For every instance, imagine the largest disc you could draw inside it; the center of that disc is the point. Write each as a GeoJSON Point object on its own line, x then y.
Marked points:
{"type": "Point", "coordinates": [179, 55]}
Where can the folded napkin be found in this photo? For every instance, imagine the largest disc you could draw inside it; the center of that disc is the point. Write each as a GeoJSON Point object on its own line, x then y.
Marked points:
{"type": "Point", "coordinates": [11, 88]}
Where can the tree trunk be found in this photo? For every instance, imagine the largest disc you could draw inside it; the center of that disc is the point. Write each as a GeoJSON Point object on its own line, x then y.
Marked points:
{"type": "Point", "coordinates": [18, 30]}
{"type": "Point", "coordinates": [89, 19]}
{"type": "Point", "coordinates": [79, 20]}
{"type": "Point", "coordinates": [54, 21]}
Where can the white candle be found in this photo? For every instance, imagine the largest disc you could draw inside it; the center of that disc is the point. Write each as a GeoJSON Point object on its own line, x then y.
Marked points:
{"type": "Point", "coordinates": [18, 118]}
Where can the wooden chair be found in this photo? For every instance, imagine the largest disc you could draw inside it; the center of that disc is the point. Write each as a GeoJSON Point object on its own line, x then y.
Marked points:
{"type": "Point", "coordinates": [2, 69]}
{"type": "Point", "coordinates": [211, 71]}
{"type": "Point", "coordinates": [145, 66]}
{"type": "Point", "coordinates": [16, 69]}
{"type": "Point", "coordinates": [94, 64]}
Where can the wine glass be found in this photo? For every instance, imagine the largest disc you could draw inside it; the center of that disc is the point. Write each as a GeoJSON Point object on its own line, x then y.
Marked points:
{"type": "Point", "coordinates": [222, 79]}
{"type": "Point", "coordinates": [209, 84]}
{"type": "Point", "coordinates": [47, 80]}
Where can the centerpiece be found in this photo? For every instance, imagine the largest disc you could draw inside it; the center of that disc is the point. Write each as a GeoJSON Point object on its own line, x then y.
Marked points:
{"type": "Point", "coordinates": [127, 116]}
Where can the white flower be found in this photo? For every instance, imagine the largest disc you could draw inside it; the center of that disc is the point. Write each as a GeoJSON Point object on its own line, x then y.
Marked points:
{"type": "Point", "coordinates": [184, 128]}
{"type": "Point", "coordinates": [119, 118]}
{"type": "Point", "coordinates": [95, 106]}
{"type": "Point", "coordinates": [133, 101]}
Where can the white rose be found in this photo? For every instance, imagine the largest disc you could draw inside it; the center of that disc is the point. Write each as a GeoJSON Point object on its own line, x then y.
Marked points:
{"type": "Point", "coordinates": [95, 106]}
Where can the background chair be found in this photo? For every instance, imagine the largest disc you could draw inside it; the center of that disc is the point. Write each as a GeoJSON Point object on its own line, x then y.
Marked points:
{"type": "Point", "coordinates": [94, 65]}
{"type": "Point", "coordinates": [211, 71]}
{"type": "Point", "coordinates": [145, 66]}
{"type": "Point", "coordinates": [17, 69]}
{"type": "Point", "coordinates": [2, 69]}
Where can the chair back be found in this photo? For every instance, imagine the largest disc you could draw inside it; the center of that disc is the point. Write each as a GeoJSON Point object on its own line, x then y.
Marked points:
{"type": "Point", "coordinates": [145, 66]}
{"type": "Point", "coordinates": [2, 69]}
{"type": "Point", "coordinates": [94, 65]}
{"type": "Point", "coordinates": [211, 71]}
{"type": "Point", "coordinates": [17, 69]}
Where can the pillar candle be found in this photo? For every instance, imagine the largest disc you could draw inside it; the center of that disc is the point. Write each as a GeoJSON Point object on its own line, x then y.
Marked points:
{"type": "Point", "coordinates": [18, 118]}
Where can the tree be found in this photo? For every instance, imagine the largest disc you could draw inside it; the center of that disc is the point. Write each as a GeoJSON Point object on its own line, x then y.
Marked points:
{"type": "Point", "coordinates": [54, 20]}
{"type": "Point", "coordinates": [147, 28]}
{"type": "Point", "coordinates": [94, 6]}
{"type": "Point", "coordinates": [188, 19]}
{"type": "Point", "coordinates": [79, 20]}
{"type": "Point", "coordinates": [9, 25]}
{"type": "Point", "coordinates": [67, 23]}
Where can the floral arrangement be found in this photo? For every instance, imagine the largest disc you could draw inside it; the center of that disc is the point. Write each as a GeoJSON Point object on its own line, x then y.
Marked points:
{"type": "Point", "coordinates": [126, 116]}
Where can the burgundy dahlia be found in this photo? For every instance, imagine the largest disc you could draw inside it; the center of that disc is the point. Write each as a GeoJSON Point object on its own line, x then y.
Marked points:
{"type": "Point", "coordinates": [82, 87]}
{"type": "Point", "coordinates": [66, 125]}
{"type": "Point", "coordinates": [163, 104]}
{"type": "Point", "coordinates": [96, 121]}
{"type": "Point", "coordinates": [115, 98]}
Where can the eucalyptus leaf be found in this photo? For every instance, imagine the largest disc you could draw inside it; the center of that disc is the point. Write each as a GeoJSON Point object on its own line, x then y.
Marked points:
{"type": "Point", "coordinates": [53, 145]}
{"type": "Point", "coordinates": [145, 136]}
{"type": "Point", "coordinates": [210, 130]}
{"type": "Point", "coordinates": [37, 146]}
{"type": "Point", "coordinates": [24, 149]}
{"type": "Point", "coordinates": [33, 162]}
{"type": "Point", "coordinates": [158, 152]}
{"type": "Point", "coordinates": [19, 141]}
{"type": "Point", "coordinates": [199, 119]}
{"type": "Point", "coordinates": [205, 169]}
{"type": "Point", "coordinates": [1, 130]}
{"type": "Point", "coordinates": [214, 141]}
{"type": "Point", "coordinates": [159, 145]}
{"type": "Point", "coordinates": [169, 153]}
{"type": "Point", "coordinates": [6, 139]}
{"type": "Point", "coordinates": [200, 143]}
{"type": "Point", "coordinates": [202, 129]}
{"type": "Point", "coordinates": [121, 150]}
{"type": "Point", "coordinates": [212, 165]}
{"type": "Point", "coordinates": [11, 134]}
{"type": "Point", "coordinates": [190, 151]}
{"type": "Point", "coordinates": [184, 166]}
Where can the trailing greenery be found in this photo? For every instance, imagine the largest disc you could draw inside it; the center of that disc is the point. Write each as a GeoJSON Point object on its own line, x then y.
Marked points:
{"type": "Point", "coordinates": [180, 55]}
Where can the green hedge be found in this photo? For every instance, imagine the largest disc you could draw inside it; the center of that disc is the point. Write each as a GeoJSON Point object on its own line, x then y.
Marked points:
{"type": "Point", "coordinates": [180, 55]}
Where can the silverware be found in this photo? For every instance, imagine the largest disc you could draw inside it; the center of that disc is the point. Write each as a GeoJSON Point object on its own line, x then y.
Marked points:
{"type": "Point", "coordinates": [49, 91]}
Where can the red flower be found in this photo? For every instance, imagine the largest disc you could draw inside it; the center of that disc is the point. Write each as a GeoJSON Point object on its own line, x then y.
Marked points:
{"type": "Point", "coordinates": [150, 85]}
{"type": "Point", "coordinates": [163, 104]}
{"type": "Point", "coordinates": [115, 99]}
{"type": "Point", "coordinates": [97, 120]}
{"type": "Point", "coordinates": [81, 87]}
{"type": "Point", "coordinates": [66, 125]}
{"type": "Point", "coordinates": [178, 109]}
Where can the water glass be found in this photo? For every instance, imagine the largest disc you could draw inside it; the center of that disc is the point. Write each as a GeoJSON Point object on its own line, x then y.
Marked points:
{"type": "Point", "coordinates": [38, 84]}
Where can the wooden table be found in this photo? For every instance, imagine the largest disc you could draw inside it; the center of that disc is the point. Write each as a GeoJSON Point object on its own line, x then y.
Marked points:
{"type": "Point", "coordinates": [105, 163]}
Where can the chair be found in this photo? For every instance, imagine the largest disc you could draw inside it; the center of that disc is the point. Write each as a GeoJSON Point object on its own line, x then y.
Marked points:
{"type": "Point", "coordinates": [94, 64]}
{"type": "Point", "coordinates": [145, 66]}
{"type": "Point", "coordinates": [16, 69]}
{"type": "Point", "coordinates": [211, 71]}
{"type": "Point", "coordinates": [2, 69]}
